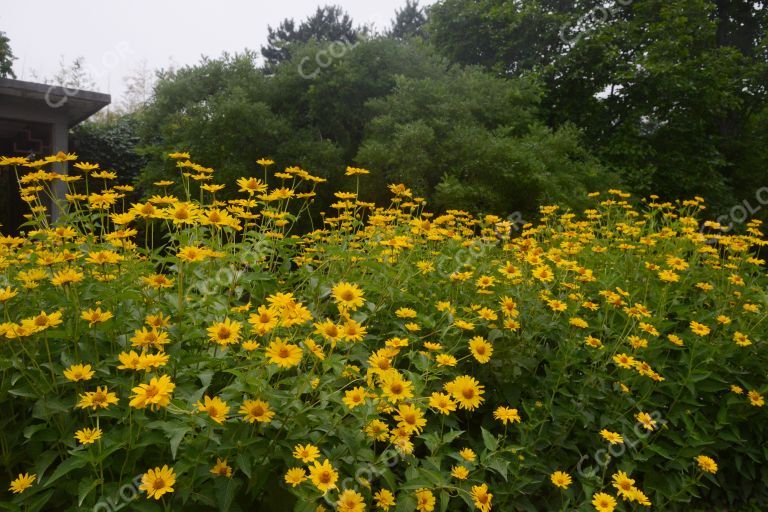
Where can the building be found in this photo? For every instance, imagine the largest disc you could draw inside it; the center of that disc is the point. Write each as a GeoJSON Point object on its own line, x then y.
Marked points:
{"type": "Point", "coordinates": [34, 122]}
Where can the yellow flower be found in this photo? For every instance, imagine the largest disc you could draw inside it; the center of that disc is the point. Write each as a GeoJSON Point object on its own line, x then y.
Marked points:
{"type": "Point", "coordinates": [256, 410]}
{"type": "Point", "coordinates": [145, 338]}
{"type": "Point", "coordinates": [7, 294]}
{"type": "Point", "coordinates": [756, 399]}
{"type": "Point", "coordinates": [506, 415]}
{"type": "Point", "coordinates": [425, 500]}
{"type": "Point", "coordinates": [42, 321]}
{"type": "Point", "coordinates": [482, 497]}
{"type": "Point", "coordinates": [65, 277]}
{"type": "Point", "coordinates": [593, 342]}
{"type": "Point", "coordinates": [216, 408]}
{"type": "Point", "coordinates": [101, 398]}
{"type": "Point", "coordinates": [224, 333]}
{"type": "Point", "coordinates": [561, 479]}
{"type": "Point", "coordinates": [481, 349]}
{"type": "Point", "coordinates": [354, 397]}
{"type": "Point", "coordinates": [603, 502]}
{"type": "Point", "coordinates": [350, 501]}
{"type": "Point", "coordinates": [353, 331]}
{"type": "Point", "coordinates": [459, 472]}
{"type": "Point", "coordinates": [669, 276]}
{"type": "Point", "coordinates": [405, 313]}
{"type": "Point", "coordinates": [306, 453]}
{"type": "Point", "coordinates": [638, 496]}
{"type": "Point", "coordinates": [295, 476]}
{"type": "Point", "coordinates": [351, 171]}
{"type": "Point", "coordinates": [442, 403]}
{"type": "Point", "coordinates": [155, 394]}
{"type": "Point", "coordinates": [623, 484]}
{"type": "Point", "coordinates": [88, 435]}
{"type": "Point", "coordinates": [323, 476]}
{"type": "Point", "coordinates": [264, 320]}
{"type": "Point", "coordinates": [377, 430]}
{"type": "Point", "coordinates": [723, 319]}
{"type": "Point", "coordinates": [624, 361]}
{"type": "Point", "coordinates": [329, 330]}
{"type": "Point", "coordinates": [611, 437]}
{"type": "Point", "coordinates": [467, 454]}
{"type": "Point", "coordinates": [741, 339]}
{"type": "Point", "coordinates": [221, 468]}
{"type": "Point", "coordinates": [251, 185]}
{"type": "Point", "coordinates": [410, 418]}
{"type": "Point", "coordinates": [645, 419]}
{"type": "Point", "coordinates": [284, 355]}
{"type": "Point", "coordinates": [395, 388]}
{"type": "Point", "coordinates": [157, 281]}
{"type": "Point", "coordinates": [699, 329]}
{"type": "Point", "coordinates": [23, 482]}
{"type": "Point", "coordinates": [130, 361]}
{"type": "Point", "coordinates": [158, 481]}
{"type": "Point", "coordinates": [675, 339]}
{"type": "Point", "coordinates": [445, 360]}
{"type": "Point", "coordinates": [314, 348]}
{"type": "Point", "coordinates": [384, 499]}
{"type": "Point", "coordinates": [557, 305]}
{"type": "Point", "coordinates": [466, 391]}
{"type": "Point", "coordinates": [347, 296]}
{"type": "Point", "coordinates": [706, 464]}
{"type": "Point", "coordinates": [94, 316]}
{"type": "Point", "coordinates": [192, 254]}
{"type": "Point", "coordinates": [79, 372]}
{"type": "Point", "coordinates": [543, 273]}
{"type": "Point", "coordinates": [578, 322]}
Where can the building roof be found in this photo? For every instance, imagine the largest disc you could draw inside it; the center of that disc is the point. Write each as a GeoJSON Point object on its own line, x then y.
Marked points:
{"type": "Point", "coordinates": [76, 104]}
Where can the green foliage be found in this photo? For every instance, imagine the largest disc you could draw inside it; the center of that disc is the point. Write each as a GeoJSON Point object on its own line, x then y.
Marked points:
{"type": "Point", "coordinates": [587, 319]}
{"type": "Point", "coordinates": [460, 137]}
{"type": "Point", "coordinates": [409, 21]}
{"type": "Point", "coordinates": [6, 57]}
{"type": "Point", "coordinates": [667, 93]}
{"type": "Point", "coordinates": [113, 142]}
{"type": "Point", "coordinates": [327, 24]}
{"type": "Point", "coordinates": [472, 141]}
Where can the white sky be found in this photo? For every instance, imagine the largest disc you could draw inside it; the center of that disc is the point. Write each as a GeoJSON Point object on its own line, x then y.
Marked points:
{"type": "Point", "coordinates": [116, 36]}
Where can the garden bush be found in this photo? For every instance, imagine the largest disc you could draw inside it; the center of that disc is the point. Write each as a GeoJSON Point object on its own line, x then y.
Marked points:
{"type": "Point", "coordinates": [185, 353]}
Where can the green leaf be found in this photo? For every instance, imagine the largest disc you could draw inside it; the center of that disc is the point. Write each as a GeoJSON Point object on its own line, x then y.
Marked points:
{"type": "Point", "coordinates": [65, 467]}
{"type": "Point", "coordinates": [489, 440]}
{"type": "Point", "coordinates": [84, 489]}
{"type": "Point", "coordinates": [225, 492]}
{"type": "Point", "coordinates": [499, 465]}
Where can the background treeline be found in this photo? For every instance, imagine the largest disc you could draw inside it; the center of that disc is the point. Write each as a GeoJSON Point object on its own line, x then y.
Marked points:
{"type": "Point", "coordinates": [484, 105]}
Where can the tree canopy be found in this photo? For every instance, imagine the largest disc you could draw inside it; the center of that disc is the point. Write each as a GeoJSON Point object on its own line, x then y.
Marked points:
{"type": "Point", "coordinates": [670, 94]}
{"type": "Point", "coordinates": [488, 105]}
{"type": "Point", "coordinates": [6, 57]}
{"type": "Point", "coordinates": [328, 23]}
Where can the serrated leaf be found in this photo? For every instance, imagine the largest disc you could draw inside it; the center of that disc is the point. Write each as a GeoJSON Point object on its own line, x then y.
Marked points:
{"type": "Point", "coordinates": [489, 440]}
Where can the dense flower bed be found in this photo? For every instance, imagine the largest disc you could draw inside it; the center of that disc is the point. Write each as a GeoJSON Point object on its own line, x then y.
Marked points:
{"type": "Point", "coordinates": [188, 353]}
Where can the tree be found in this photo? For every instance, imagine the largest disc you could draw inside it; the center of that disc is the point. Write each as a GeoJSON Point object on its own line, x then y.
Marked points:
{"type": "Point", "coordinates": [329, 23]}
{"type": "Point", "coordinates": [666, 91]}
{"type": "Point", "coordinates": [509, 38]}
{"type": "Point", "coordinates": [219, 110]}
{"type": "Point", "coordinates": [468, 140]}
{"type": "Point", "coordinates": [409, 21]}
{"type": "Point", "coordinates": [74, 75]}
{"type": "Point", "coordinates": [6, 57]}
{"type": "Point", "coordinates": [335, 101]}
{"type": "Point", "coordinates": [139, 86]}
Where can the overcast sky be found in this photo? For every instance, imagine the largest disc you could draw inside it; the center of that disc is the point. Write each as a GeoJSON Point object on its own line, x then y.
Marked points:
{"type": "Point", "coordinates": [116, 36]}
